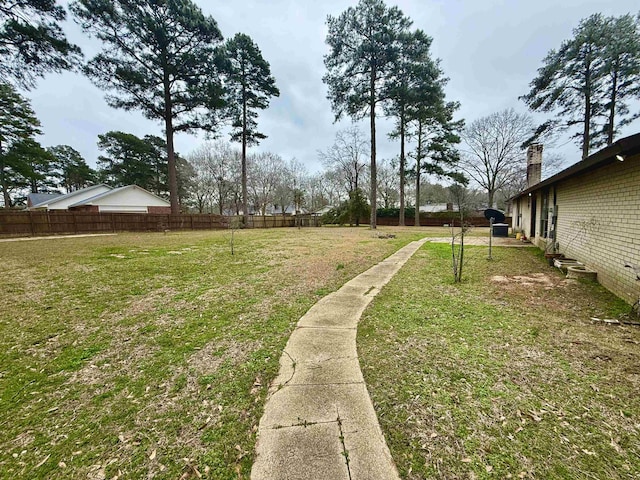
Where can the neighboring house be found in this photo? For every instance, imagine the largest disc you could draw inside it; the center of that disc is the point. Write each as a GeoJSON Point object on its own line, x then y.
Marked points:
{"type": "Point", "coordinates": [102, 198]}
{"type": "Point", "coordinates": [273, 209]}
{"type": "Point", "coordinates": [62, 202]}
{"type": "Point", "coordinates": [321, 211]}
{"type": "Point", "coordinates": [36, 198]}
{"type": "Point", "coordinates": [437, 207]}
{"type": "Point", "coordinates": [588, 211]}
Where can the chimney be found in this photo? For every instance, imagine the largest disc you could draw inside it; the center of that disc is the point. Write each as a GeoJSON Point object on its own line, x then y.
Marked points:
{"type": "Point", "coordinates": [534, 164]}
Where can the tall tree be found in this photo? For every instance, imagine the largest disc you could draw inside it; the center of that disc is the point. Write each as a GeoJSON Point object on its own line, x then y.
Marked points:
{"type": "Point", "coordinates": [570, 82]}
{"type": "Point", "coordinates": [133, 160]}
{"type": "Point", "coordinates": [32, 42]}
{"type": "Point", "coordinates": [364, 43]}
{"type": "Point", "coordinates": [34, 164]}
{"type": "Point", "coordinates": [430, 123]}
{"type": "Point", "coordinates": [73, 170]}
{"type": "Point", "coordinates": [18, 123]}
{"type": "Point", "coordinates": [493, 152]}
{"type": "Point", "coordinates": [622, 75]}
{"type": "Point", "coordinates": [159, 57]}
{"type": "Point", "coordinates": [250, 86]}
{"type": "Point", "coordinates": [411, 80]}
{"type": "Point", "coordinates": [436, 134]}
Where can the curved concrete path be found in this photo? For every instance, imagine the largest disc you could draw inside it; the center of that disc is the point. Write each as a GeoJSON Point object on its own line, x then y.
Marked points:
{"type": "Point", "coordinates": [319, 422]}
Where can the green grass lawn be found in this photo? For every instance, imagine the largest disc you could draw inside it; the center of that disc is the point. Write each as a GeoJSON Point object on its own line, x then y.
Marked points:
{"type": "Point", "coordinates": [502, 376]}
{"type": "Point", "coordinates": [143, 355]}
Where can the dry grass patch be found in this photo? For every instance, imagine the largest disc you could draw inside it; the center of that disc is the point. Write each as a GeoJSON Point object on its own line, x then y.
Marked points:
{"type": "Point", "coordinates": [149, 355]}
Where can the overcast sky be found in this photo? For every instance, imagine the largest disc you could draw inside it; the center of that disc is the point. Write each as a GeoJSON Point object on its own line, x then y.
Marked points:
{"type": "Point", "coordinates": [489, 49]}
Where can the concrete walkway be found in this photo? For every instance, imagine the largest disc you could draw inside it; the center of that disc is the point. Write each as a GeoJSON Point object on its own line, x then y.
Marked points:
{"type": "Point", "coordinates": [319, 422]}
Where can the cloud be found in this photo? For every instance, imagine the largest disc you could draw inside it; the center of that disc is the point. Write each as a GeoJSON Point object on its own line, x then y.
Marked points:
{"type": "Point", "coordinates": [490, 50]}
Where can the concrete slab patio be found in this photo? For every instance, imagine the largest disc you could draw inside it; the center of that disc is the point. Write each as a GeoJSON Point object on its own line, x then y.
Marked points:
{"type": "Point", "coordinates": [319, 422]}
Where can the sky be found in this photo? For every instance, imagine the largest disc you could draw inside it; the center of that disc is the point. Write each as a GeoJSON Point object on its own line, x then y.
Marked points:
{"type": "Point", "coordinates": [489, 49]}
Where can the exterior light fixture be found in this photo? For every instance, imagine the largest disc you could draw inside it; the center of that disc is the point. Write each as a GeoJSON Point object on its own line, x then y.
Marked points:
{"type": "Point", "coordinates": [620, 158]}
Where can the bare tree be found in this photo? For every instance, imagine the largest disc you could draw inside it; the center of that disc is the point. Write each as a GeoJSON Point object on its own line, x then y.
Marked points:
{"type": "Point", "coordinates": [347, 158]}
{"type": "Point", "coordinates": [289, 191]}
{"type": "Point", "coordinates": [202, 188]}
{"type": "Point", "coordinates": [493, 153]}
{"type": "Point", "coordinates": [388, 184]}
{"type": "Point", "coordinates": [217, 168]}
{"type": "Point", "coordinates": [266, 170]}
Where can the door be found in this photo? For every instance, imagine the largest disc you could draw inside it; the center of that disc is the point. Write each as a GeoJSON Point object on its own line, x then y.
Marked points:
{"type": "Point", "coordinates": [532, 231]}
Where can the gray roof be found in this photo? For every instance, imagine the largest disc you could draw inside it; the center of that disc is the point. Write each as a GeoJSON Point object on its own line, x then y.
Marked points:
{"type": "Point", "coordinates": [36, 198]}
{"type": "Point", "coordinates": [49, 200]}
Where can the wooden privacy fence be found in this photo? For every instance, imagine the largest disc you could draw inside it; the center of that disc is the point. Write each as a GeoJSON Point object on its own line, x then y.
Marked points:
{"type": "Point", "coordinates": [439, 221]}
{"type": "Point", "coordinates": [279, 221]}
{"type": "Point", "coordinates": [24, 223]}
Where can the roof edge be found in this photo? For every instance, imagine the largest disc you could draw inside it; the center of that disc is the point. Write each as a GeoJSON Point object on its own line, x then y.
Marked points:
{"type": "Point", "coordinates": [69, 195]}
{"type": "Point", "coordinates": [625, 146]}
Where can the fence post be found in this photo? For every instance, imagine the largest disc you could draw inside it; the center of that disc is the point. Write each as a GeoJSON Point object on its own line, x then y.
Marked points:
{"type": "Point", "coordinates": [113, 223]}
{"type": "Point", "coordinates": [33, 232]}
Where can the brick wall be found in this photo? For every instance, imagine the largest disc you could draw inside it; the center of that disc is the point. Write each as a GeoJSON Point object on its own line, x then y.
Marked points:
{"type": "Point", "coordinates": [599, 223]}
{"type": "Point", "coordinates": [162, 210]}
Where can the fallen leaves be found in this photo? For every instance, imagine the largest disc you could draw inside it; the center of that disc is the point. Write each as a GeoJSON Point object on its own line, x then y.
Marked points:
{"type": "Point", "coordinates": [43, 461]}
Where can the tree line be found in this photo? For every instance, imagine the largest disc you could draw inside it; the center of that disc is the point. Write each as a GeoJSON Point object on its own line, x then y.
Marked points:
{"type": "Point", "coordinates": [165, 59]}
{"type": "Point", "coordinates": [170, 61]}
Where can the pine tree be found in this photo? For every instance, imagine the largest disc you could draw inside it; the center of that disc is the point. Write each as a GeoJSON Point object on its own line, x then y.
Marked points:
{"type": "Point", "coordinates": [364, 43]}
{"type": "Point", "coordinates": [18, 123]}
{"type": "Point", "coordinates": [412, 82]}
{"type": "Point", "coordinates": [570, 83]}
{"type": "Point", "coordinates": [72, 170]}
{"type": "Point", "coordinates": [621, 75]}
{"type": "Point", "coordinates": [32, 42]}
{"type": "Point", "coordinates": [133, 160]}
{"type": "Point", "coordinates": [250, 86]}
{"type": "Point", "coordinates": [159, 57]}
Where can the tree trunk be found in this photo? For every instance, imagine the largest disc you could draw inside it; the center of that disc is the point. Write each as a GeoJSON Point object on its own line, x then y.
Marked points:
{"type": "Point", "coordinates": [401, 219]}
{"type": "Point", "coordinates": [612, 107]}
{"type": "Point", "coordinates": [245, 206]}
{"type": "Point", "coordinates": [491, 194]}
{"type": "Point", "coordinates": [3, 182]}
{"type": "Point", "coordinates": [171, 155]}
{"type": "Point", "coordinates": [587, 112]}
{"type": "Point", "coordinates": [416, 221]}
{"type": "Point", "coordinates": [374, 172]}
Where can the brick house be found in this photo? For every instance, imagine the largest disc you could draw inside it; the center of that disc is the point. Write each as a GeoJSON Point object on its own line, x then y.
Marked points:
{"type": "Point", "coordinates": [589, 212]}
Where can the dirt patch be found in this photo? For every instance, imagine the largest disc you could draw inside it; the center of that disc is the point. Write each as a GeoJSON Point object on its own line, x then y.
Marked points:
{"type": "Point", "coordinates": [112, 362]}
{"type": "Point", "coordinates": [150, 301]}
{"type": "Point", "coordinates": [207, 360]}
{"type": "Point", "coordinates": [543, 280]}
